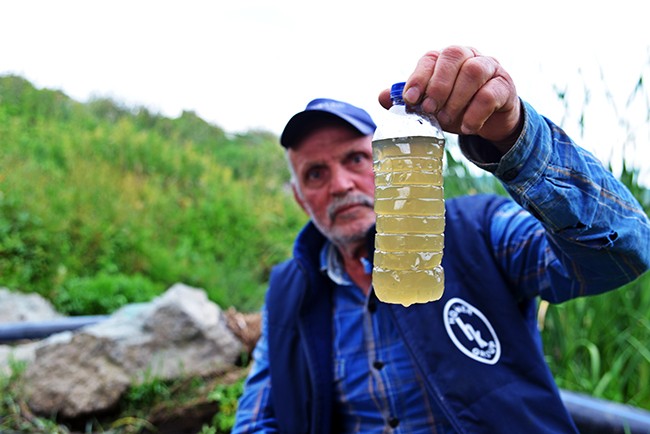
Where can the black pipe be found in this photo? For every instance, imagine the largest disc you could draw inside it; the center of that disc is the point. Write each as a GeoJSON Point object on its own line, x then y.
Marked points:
{"type": "Point", "coordinates": [43, 329]}
{"type": "Point", "coordinates": [599, 416]}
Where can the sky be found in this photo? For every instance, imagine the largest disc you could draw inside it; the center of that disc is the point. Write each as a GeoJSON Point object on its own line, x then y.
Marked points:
{"type": "Point", "coordinates": [251, 64]}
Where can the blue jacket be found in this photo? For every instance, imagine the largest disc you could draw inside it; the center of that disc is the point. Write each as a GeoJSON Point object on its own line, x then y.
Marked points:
{"type": "Point", "coordinates": [483, 365]}
{"type": "Point", "coordinates": [477, 347]}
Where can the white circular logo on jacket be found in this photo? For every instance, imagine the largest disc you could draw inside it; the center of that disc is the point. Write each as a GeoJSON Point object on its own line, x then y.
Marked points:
{"type": "Point", "coordinates": [471, 332]}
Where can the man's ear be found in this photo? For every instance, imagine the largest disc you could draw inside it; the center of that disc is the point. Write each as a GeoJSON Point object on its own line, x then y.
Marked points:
{"type": "Point", "coordinates": [298, 197]}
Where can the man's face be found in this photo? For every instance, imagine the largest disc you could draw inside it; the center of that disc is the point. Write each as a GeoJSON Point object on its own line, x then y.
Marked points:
{"type": "Point", "coordinates": [334, 182]}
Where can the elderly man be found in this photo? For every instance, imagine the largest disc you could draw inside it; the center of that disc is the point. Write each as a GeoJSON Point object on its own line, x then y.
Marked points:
{"type": "Point", "coordinates": [333, 358]}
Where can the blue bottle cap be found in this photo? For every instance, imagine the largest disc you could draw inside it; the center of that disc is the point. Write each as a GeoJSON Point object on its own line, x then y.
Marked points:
{"type": "Point", "coordinates": [396, 92]}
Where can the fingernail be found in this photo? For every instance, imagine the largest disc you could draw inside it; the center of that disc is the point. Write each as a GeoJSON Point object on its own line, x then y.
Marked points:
{"type": "Point", "coordinates": [429, 105]}
{"type": "Point", "coordinates": [412, 95]}
{"type": "Point", "coordinates": [443, 117]}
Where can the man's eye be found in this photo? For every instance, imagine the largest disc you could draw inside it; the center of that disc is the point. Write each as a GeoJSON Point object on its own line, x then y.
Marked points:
{"type": "Point", "coordinates": [314, 175]}
{"type": "Point", "coordinates": [359, 159]}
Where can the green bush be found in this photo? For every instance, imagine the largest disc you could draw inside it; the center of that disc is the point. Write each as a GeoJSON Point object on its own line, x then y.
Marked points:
{"type": "Point", "coordinates": [100, 189]}
{"type": "Point", "coordinates": [103, 293]}
{"type": "Point", "coordinates": [227, 397]}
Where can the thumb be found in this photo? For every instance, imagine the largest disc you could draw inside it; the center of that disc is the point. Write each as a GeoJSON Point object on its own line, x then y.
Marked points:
{"type": "Point", "coordinates": [384, 99]}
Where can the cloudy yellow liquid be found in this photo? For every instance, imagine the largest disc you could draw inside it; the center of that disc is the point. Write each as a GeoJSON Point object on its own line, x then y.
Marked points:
{"type": "Point", "coordinates": [409, 203]}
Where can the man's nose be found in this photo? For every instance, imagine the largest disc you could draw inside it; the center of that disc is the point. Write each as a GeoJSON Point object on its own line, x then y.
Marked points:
{"type": "Point", "coordinates": [341, 182]}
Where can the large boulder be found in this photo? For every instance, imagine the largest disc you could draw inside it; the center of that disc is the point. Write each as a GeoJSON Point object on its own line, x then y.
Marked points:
{"type": "Point", "coordinates": [179, 334]}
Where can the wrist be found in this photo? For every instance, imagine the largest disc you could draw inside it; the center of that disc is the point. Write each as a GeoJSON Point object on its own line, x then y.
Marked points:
{"type": "Point", "coordinates": [505, 144]}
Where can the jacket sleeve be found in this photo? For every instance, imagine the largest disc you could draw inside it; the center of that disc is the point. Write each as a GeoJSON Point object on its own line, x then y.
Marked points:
{"type": "Point", "coordinates": [255, 412]}
{"type": "Point", "coordinates": [577, 230]}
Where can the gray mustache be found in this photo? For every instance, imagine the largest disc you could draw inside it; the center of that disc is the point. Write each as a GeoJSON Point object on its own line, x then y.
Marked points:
{"type": "Point", "coordinates": [352, 199]}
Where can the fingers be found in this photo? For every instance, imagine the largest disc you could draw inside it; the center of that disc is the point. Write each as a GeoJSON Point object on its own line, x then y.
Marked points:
{"type": "Point", "coordinates": [456, 87]}
{"type": "Point", "coordinates": [418, 82]}
{"type": "Point", "coordinates": [490, 103]}
{"type": "Point", "coordinates": [467, 92]}
{"type": "Point", "coordinates": [384, 99]}
{"type": "Point", "coordinates": [450, 78]}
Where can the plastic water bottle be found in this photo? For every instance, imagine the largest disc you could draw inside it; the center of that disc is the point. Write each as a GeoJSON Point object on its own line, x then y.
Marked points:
{"type": "Point", "coordinates": [408, 147]}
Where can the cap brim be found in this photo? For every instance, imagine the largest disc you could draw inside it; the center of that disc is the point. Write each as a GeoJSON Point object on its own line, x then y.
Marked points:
{"type": "Point", "coordinates": [302, 122]}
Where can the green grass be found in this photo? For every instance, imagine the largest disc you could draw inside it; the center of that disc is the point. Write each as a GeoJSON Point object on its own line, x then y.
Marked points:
{"type": "Point", "coordinates": [94, 192]}
{"type": "Point", "coordinates": [599, 345]}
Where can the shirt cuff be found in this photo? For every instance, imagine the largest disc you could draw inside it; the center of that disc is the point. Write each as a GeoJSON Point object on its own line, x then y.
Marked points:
{"type": "Point", "coordinates": [530, 152]}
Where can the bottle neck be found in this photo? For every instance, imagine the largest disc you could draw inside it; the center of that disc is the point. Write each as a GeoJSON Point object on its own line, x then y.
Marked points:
{"type": "Point", "coordinates": [398, 108]}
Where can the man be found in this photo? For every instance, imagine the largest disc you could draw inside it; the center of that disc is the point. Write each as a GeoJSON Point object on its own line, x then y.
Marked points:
{"type": "Point", "coordinates": [333, 358]}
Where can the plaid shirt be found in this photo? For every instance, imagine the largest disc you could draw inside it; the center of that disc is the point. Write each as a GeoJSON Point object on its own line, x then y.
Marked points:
{"type": "Point", "coordinates": [377, 386]}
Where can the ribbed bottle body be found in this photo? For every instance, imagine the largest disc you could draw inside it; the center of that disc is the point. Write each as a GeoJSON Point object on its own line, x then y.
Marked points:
{"type": "Point", "coordinates": [410, 209]}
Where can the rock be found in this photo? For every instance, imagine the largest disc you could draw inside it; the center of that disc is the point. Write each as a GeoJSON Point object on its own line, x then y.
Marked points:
{"type": "Point", "coordinates": [179, 334]}
{"type": "Point", "coordinates": [24, 353]}
{"type": "Point", "coordinates": [75, 377]}
{"type": "Point", "coordinates": [20, 307]}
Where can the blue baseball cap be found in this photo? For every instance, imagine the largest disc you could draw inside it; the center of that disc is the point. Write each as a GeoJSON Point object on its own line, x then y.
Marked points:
{"type": "Point", "coordinates": [322, 109]}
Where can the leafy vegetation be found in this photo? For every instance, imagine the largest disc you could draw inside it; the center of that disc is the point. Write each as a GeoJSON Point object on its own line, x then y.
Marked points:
{"type": "Point", "coordinates": [103, 205]}
{"type": "Point", "coordinates": [91, 193]}
{"type": "Point", "coordinates": [226, 395]}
